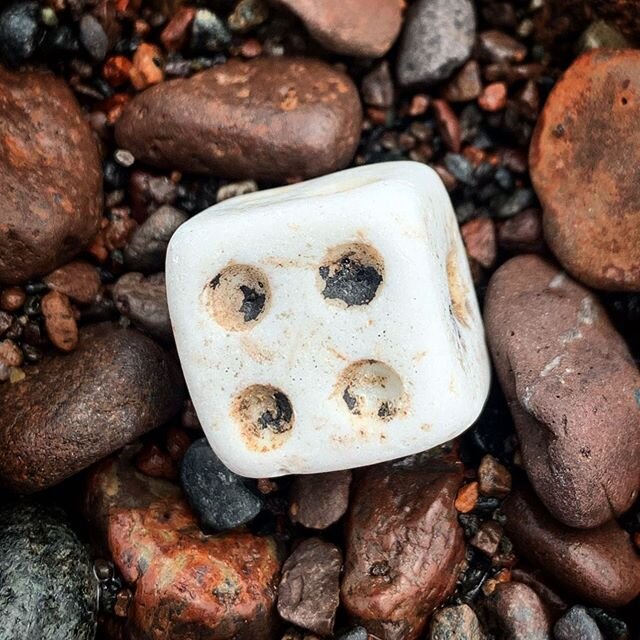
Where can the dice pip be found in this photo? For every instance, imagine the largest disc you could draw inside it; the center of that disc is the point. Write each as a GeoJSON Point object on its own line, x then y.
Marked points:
{"type": "Point", "coordinates": [328, 324]}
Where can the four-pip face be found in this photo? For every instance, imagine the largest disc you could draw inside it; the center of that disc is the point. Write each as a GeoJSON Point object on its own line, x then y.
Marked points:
{"type": "Point", "coordinates": [329, 324]}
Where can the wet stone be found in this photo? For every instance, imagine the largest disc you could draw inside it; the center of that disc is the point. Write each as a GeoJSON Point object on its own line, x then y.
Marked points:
{"type": "Point", "coordinates": [319, 500]}
{"type": "Point", "coordinates": [494, 478]}
{"type": "Point", "coordinates": [456, 623]}
{"type": "Point", "coordinates": [47, 588]}
{"type": "Point", "coordinates": [577, 623]}
{"type": "Point", "coordinates": [222, 499]}
{"type": "Point", "coordinates": [20, 31]}
{"type": "Point", "coordinates": [78, 280]}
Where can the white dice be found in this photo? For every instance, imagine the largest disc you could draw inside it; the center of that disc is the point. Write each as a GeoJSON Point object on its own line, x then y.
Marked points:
{"type": "Point", "coordinates": [329, 324]}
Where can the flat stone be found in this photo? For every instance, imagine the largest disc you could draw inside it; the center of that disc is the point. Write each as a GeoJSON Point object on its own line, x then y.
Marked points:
{"type": "Point", "coordinates": [319, 500]}
{"type": "Point", "coordinates": [222, 499]}
{"type": "Point", "coordinates": [582, 171]}
{"type": "Point", "coordinates": [577, 623]}
{"type": "Point", "coordinates": [363, 28]}
{"type": "Point", "coordinates": [50, 175]}
{"type": "Point", "coordinates": [268, 118]}
{"type": "Point", "coordinates": [47, 588]}
{"type": "Point", "coordinates": [456, 623]}
{"type": "Point", "coordinates": [572, 388]}
{"type": "Point", "coordinates": [599, 566]}
{"type": "Point", "coordinates": [185, 583]}
{"type": "Point", "coordinates": [309, 591]}
{"type": "Point", "coordinates": [404, 546]}
{"type": "Point", "coordinates": [438, 38]}
{"type": "Point", "coordinates": [78, 280]}
{"type": "Point", "coordinates": [71, 411]}
{"type": "Point", "coordinates": [308, 357]}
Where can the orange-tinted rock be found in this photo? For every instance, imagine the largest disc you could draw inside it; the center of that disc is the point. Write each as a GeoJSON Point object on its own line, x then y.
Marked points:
{"type": "Point", "coordinates": [479, 237]}
{"type": "Point", "coordinates": [404, 546]}
{"type": "Point", "coordinates": [59, 321]}
{"type": "Point", "coordinates": [186, 583]}
{"type": "Point", "coordinates": [364, 28]}
{"type": "Point", "coordinates": [268, 118]}
{"type": "Point", "coordinates": [572, 388]}
{"type": "Point", "coordinates": [599, 566]}
{"type": "Point", "coordinates": [73, 410]}
{"type": "Point", "coordinates": [583, 170]}
{"type": "Point", "coordinates": [50, 176]}
{"type": "Point", "coordinates": [79, 280]}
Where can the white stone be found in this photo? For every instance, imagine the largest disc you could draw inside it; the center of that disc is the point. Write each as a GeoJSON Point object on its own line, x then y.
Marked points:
{"type": "Point", "coordinates": [286, 377]}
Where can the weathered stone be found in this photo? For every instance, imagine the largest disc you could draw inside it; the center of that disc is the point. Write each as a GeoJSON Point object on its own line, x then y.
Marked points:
{"type": "Point", "coordinates": [186, 583]}
{"type": "Point", "coordinates": [309, 590]}
{"type": "Point", "coordinates": [597, 565]}
{"type": "Point", "coordinates": [47, 590]}
{"type": "Point", "coordinates": [318, 500]}
{"type": "Point", "coordinates": [269, 118]}
{"type": "Point", "coordinates": [572, 388]}
{"type": "Point", "coordinates": [582, 171]}
{"type": "Point", "coordinates": [494, 478]}
{"type": "Point", "coordinates": [78, 279]}
{"type": "Point", "coordinates": [60, 321]}
{"type": "Point", "coordinates": [438, 38]}
{"type": "Point", "coordinates": [404, 546]}
{"type": "Point", "coordinates": [377, 87]}
{"type": "Point", "coordinates": [456, 623]}
{"type": "Point", "coordinates": [71, 411]}
{"type": "Point", "coordinates": [364, 28]}
{"type": "Point", "coordinates": [466, 85]}
{"type": "Point", "coordinates": [576, 623]}
{"type": "Point", "coordinates": [50, 175]}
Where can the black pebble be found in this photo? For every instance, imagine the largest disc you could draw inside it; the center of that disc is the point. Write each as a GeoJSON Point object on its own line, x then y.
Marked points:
{"type": "Point", "coordinates": [222, 499]}
{"type": "Point", "coordinates": [352, 282]}
{"type": "Point", "coordinates": [20, 32]}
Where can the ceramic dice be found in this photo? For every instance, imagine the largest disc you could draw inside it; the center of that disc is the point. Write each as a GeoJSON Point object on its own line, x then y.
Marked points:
{"type": "Point", "coordinates": [328, 324]}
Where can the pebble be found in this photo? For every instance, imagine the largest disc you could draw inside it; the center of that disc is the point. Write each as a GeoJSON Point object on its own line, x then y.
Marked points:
{"type": "Point", "coordinates": [146, 69]}
{"type": "Point", "coordinates": [222, 499]}
{"type": "Point", "coordinates": [47, 588]}
{"type": "Point", "coordinates": [78, 280]}
{"type": "Point", "coordinates": [493, 97]}
{"type": "Point", "coordinates": [519, 613]}
{"type": "Point", "coordinates": [599, 566]}
{"type": "Point", "coordinates": [522, 233]}
{"type": "Point", "coordinates": [494, 478]}
{"type": "Point", "coordinates": [176, 33]}
{"type": "Point", "coordinates": [377, 87]}
{"type": "Point", "coordinates": [59, 321]}
{"type": "Point", "coordinates": [268, 118]}
{"type": "Point", "coordinates": [456, 623]}
{"type": "Point", "coordinates": [309, 590]}
{"type": "Point", "coordinates": [362, 28]}
{"type": "Point", "coordinates": [51, 209]}
{"type": "Point", "coordinates": [208, 32]}
{"type": "Point", "coordinates": [20, 32]}
{"type": "Point", "coordinates": [235, 189]}
{"type": "Point", "coordinates": [467, 497]}
{"type": "Point", "coordinates": [394, 577]}
{"type": "Point", "coordinates": [154, 462]}
{"type": "Point", "coordinates": [479, 237]}
{"type": "Point", "coordinates": [93, 37]}
{"type": "Point", "coordinates": [12, 298]}
{"type": "Point", "coordinates": [576, 623]}
{"type": "Point", "coordinates": [437, 39]}
{"type": "Point", "coordinates": [588, 194]}
{"type": "Point", "coordinates": [466, 84]}
{"type": "Point", "coordinates": [318, 500]}
{"type": "Point", "coordinates": [10, 354]}
{"type": "Point", "coordinates": [186, 583]}
{"type": "Point", "coordinates": [572, 387]}
{"type": "Point", "coordinates": [448, 125]}
{"type": "Point", "coordinates": [143, 299]}
{"type": "Point", "coordinates": [487, 538]}
{"type": "Point", "coordinates": [497, 46]}
{"type": "Point", "coordinates": [71, 411]}
{"type": "Point", "coordinates": [247, 15]}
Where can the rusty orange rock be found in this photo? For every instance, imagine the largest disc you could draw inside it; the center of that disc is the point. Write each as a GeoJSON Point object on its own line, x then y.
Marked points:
{"type": "Point", "coordinates": [60, 321]}
{"type": "Point", "coordinates": [583, 168]}
{"type": "Point", "coordinates": [187, 584]}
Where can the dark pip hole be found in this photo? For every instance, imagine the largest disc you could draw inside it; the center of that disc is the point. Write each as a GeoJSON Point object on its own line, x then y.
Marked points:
{"type": "Point", "coordinates": [279, 420]}
{"type": "Point", "coordinates": [350, 281]}
{"type": "Point", "coordinates": [253, 302]}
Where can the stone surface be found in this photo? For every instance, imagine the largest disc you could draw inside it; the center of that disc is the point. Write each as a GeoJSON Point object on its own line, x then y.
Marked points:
{"type": "Point", "coordinates": [47, 590]}
{"type": "Point", "coordinates": [597, 565]}
{"type": "Point", "coordinates": [576, 623]}
{"type": "Point", "coordinates": [147, 246]}
{"type": "Point", "coordinates": [456, 623]}
{"type": "Point", "coordinates": [404, 546]}
{"type": "Point", "coordinates": [519, 612]}
{"type": "Point", "coordinates": [143, 299]}
{"type": "Point", "coordinates": [364, 28]}
{"type": "Point", "coordinates": [20, 31]}
{"type": "Point", "coordinates": [494, 478]}
{"type": "Point", "coordinates": [269, 118]}
{"type": "Point", "coordinates": [318, 500]}
{"type": "Point", "coordinates": [78, 280]}
{"type": "Point", "coordinates": [437, 39]}
{"type": "Point", "coordinates": [580, 169]}
{"type": "Point", "coordinates": [71, 411]}
{"type": "Point", "coordinates": [307, 357]}
{"type": "Point", "coordinates": [572, 388]}
{"type": "Point", "coordinates": [50, 174]}
{"type": "Point", "coordinates": [59, 321]}
{"type": "Point", "coordinates": [186, 583]}
{"type": "Point", "coordinates": [222, 499]}
{"type": "Point", "coordinates": [466, 84]}
{"type": "Point", "coordinates": [309, 591]}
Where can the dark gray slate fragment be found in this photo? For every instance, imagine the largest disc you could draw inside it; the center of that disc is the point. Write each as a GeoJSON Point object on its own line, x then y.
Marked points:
{"type": "Point", "coordinates": [576, 623]}
{"type": "Point", "coordinates": [47, 588]}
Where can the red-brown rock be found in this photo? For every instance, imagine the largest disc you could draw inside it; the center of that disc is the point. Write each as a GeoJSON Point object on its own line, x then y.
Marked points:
{"type": "Point", "coordinates": [404, 547]}
{"type": "Point", "coordinates": [364, 28]}
{"type": "Point", "coordinates": [582, 168]}
{"type": "Point", "coordinates": [50, 176]}
{"type": "Point", "coordinates": [60, 321]}
{"type": "Point", "coordinates": [79, 280]}
{"type": "Point", "coordinates": [599, 566]}
{"type": "Point", "coordinates": [572, 388]}
{"type": "Point", "coordinates": [187, 584]}
{"type": "Point", "coordinates": [268, 118]}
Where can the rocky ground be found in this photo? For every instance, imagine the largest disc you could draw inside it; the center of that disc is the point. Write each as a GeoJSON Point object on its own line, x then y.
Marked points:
{"type": "Point", "coordinates": [118, 122]}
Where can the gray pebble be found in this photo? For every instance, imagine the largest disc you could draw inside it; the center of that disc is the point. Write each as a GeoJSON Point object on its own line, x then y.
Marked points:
{"type": "Point", "coordinates": [576, 623]}
{"type": "Point", "coordinates": [93, 37]}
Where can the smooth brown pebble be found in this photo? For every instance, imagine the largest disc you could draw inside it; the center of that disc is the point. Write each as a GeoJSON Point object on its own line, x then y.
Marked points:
{"type": "Point", "coordinates": [78, 280]}
{"type": "Point", "coordinates": [60, 321]}
{"type": "Point", "coordinates": [318, 500]}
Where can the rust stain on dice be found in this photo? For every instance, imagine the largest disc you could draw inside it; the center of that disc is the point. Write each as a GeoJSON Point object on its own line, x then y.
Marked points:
{"type": "Point", "coordinates": [583, 169]}
{"type": "Point", "coordinates": [457, 289]}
